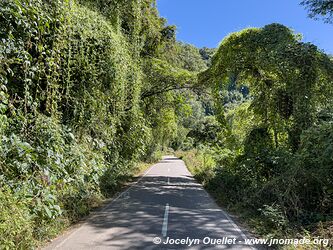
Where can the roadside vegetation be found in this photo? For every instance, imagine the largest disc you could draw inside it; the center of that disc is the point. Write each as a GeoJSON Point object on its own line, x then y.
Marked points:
{"type": "Point", "coordinates": [88, 89]}
{"type": "Point", "coordinates": [93, 91]}
{"type": "Point", "coordinates": [271, 159]}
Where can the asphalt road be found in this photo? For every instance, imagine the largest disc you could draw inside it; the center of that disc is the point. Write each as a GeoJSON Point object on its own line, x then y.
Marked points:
{"type": "Point", "coordinates": [166, 205]}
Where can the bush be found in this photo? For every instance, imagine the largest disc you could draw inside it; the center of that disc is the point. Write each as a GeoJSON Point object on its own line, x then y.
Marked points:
{"type": "Point", "coordinates": [200, 163]}
{"type": "Point", "coordinates": [290, 189]}
{"type": "Point", "coordinates": [15, 231]}
{"type": "Point", "coordinates": [314, 173]}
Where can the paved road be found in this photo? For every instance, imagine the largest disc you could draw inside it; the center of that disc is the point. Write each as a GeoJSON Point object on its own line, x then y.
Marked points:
{"type": "Point", "coordinates": [166, 203]}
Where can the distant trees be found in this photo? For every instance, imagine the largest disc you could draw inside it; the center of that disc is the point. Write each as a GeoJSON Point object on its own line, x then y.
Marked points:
{"type": "Point", "coordinates": [207, 54]}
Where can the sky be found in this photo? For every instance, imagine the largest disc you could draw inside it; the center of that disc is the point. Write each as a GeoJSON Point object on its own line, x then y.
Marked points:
{"type": "Point", "coordinates": [204, 23]}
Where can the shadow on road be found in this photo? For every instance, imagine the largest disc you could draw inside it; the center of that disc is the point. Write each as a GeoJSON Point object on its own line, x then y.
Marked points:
{"type": "Point", "coordinates": [137, 217]}
{"type": "Point", "coordinates": [167, 197]}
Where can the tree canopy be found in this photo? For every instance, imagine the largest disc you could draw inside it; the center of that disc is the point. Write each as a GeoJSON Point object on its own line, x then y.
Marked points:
{"type": "Point", "coordinates": [322, 8]}
{"type": "Point", "coordinates": [286, 76]}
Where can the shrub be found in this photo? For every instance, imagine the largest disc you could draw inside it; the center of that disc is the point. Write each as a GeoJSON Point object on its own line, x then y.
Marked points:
{"type": "Point", "coordinates": [16, 222]}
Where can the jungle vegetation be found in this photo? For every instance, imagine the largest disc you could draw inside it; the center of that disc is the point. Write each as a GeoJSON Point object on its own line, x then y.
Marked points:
{"type": "Point", "coordinates": [89, 89]}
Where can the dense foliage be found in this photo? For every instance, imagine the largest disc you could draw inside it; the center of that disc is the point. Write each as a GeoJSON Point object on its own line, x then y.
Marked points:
{"type": "Point", "coordinates": [273, 155]}
{"type": "Point", "coordinates": [90, 88]}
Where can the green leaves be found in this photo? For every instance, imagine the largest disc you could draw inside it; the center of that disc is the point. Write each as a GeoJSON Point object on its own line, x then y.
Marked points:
{"type": "Point", "coordinates": [16, 222]}
{"type": "Point", "coordinates": [281, 71]}
{"type": "Point", "coordinates": [71, 119]}
{"type": "Point", "coordinates": [161, 77]}
{"type": "Point", "coordinates": [319, 8]}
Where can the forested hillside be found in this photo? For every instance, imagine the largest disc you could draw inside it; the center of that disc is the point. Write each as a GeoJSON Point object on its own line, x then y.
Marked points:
{"type": "Point", "coordinates": [88, 89]}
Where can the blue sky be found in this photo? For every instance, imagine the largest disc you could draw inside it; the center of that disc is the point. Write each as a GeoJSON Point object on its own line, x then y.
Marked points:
{"type": "Point", "coordinates": [207, 22]}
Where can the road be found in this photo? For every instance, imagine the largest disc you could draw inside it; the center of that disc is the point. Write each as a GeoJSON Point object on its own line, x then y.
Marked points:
{"type": "Point", "coordinates": [166, 205]}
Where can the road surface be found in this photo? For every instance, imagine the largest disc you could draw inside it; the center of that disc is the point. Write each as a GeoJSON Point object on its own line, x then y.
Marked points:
{"type": "Point", "coordinates": [165, 205]}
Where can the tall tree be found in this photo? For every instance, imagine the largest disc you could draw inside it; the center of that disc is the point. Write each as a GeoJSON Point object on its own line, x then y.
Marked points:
{"type": "Point", "coordinates": [284, 74]}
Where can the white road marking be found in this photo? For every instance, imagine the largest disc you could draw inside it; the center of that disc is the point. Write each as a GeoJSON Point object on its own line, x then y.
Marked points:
{"type": "Point", "coordinates": [166, 215]}
{"type": "Point", "coordinates": [237, 229]}
{"type": "Point", "coordinates": [168, 181]}
{"type": "Point", "coordinates": [165, 221]}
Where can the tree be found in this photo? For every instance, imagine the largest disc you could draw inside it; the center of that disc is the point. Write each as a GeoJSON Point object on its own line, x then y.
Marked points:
{"type": "Point", "coordinates": [317, 8]}
{"type": "Point", "coordinates": [285, 75]}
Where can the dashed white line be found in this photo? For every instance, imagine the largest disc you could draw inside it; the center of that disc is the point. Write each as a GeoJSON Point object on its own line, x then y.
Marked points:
{"type": "Point", "coordinates": [165, 221]}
